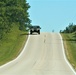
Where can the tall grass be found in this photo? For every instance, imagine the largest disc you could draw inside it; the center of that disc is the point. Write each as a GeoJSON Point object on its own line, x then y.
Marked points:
{"type": "Point", "coordinates": [70, 47]}
{"type": "Point", "coordinates": [11, 45]}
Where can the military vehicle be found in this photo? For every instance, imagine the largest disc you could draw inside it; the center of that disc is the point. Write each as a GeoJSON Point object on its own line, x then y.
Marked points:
{"type": "Point", "coordinates": [35, 29]}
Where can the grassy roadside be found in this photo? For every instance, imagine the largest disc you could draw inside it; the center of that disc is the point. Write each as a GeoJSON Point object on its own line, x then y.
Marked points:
{"type": "Point", "coordinates": [70, 47]}
{"type": "Point", "coordinates": [11, 45]}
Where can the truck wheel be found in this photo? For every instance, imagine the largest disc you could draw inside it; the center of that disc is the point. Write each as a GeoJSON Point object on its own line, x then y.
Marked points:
{"type": "Point", "coordinates": [39, 32]}
{"type": "Point", "coordinates": [30, 32]}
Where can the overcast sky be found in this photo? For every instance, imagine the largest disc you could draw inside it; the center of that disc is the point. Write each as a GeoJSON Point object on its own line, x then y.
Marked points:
{"type": "Point", "coordinates": [52, 14]}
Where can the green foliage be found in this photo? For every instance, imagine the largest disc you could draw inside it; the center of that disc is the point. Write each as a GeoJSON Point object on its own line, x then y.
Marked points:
{"type": "Point", "coordinates": [12, 44]}
{"type": "Point", "coordinates": [70, 29]}
{"type": "Point", "coordinates": [70, 47]}
{"type": "Point", "coordinates": [13, 11]}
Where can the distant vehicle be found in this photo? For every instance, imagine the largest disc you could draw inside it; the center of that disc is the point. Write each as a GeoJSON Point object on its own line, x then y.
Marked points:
{"type": "Point", "coordinates": [35, 29]}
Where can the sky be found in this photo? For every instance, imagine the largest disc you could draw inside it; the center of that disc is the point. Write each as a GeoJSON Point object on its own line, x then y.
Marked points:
{"type": "Point", "coordinates": [52, 15]}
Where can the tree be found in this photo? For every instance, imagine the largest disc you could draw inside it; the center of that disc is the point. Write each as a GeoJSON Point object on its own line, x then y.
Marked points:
{"type": "Point", "coordinates": [74, 28]}
{"type": "Point", "coordinates": [13, 11]}
{"type": "Point", "coordinates": [70, 28]}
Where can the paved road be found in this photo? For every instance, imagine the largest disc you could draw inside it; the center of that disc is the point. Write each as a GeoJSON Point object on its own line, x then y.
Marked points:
{"type": "Point", "coordinates": [43, 56]}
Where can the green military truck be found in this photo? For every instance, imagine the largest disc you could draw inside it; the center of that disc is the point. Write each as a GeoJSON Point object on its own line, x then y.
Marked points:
{"type": "Point", "coordinates": [35, 29]}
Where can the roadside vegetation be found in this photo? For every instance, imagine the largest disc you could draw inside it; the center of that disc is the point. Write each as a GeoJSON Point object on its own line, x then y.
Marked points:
{"type": "Point", "coordinates": [12, 44]}
{"type": "Point", "coordinates": [69, 39]}
{"type": "Point", "coordinates": [14, 20]}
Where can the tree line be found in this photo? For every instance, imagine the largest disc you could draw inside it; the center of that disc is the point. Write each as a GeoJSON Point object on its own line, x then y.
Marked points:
{"type": "Point", "coordinates": [69, 29]}
{"type": "Point", "coordinates": [13, 12]}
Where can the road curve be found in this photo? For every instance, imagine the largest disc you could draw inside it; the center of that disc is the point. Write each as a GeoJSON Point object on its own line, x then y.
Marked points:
{"type": "Point", "coordinates": [43, 55]}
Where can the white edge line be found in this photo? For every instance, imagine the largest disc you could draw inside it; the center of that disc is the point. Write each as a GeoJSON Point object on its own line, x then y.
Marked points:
{"type": "Point", "coordinates": [18, 56]}
{"type": "Point", "coordinates": [65, 56]}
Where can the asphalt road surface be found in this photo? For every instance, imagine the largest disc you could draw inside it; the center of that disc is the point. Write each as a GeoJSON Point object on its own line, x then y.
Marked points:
{"type": "Point", "coordinates": [43, 55]}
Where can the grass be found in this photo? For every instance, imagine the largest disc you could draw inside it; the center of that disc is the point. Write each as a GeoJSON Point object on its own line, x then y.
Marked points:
{"type": "Point", "coordinates": [70, 47]}
{"type": "Point", "coordinates": [11, 45]}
